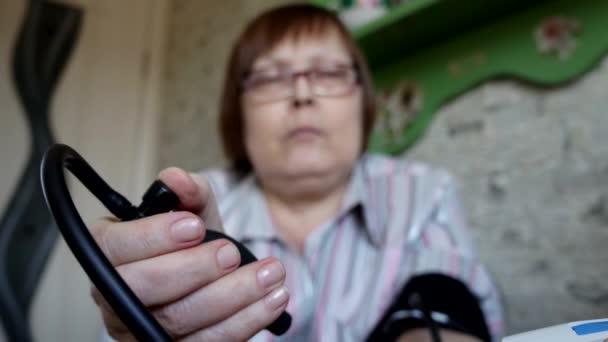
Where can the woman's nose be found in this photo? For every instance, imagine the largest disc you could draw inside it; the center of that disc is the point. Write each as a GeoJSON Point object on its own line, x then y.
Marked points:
{"type": "Point", "coordinates": [302, 90]}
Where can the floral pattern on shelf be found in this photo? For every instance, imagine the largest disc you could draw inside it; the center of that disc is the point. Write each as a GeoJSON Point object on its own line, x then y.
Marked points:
{"type": "Point", "coordinates": [557, 36]}
{"type": "Point", "coordinates": [398, 108]}
{"type": "Point", "coordinates": [356, 13]}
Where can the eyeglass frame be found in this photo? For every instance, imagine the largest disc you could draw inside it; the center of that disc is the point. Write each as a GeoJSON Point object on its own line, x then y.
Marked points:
{"type": "Point", "coordinates": [293, 75]}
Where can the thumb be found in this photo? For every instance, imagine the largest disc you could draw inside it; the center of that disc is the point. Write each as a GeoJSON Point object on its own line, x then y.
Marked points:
{"type": "Point", "coordinates": [210, 215]}
{"type": "Point", "coordinates": [194, 193]}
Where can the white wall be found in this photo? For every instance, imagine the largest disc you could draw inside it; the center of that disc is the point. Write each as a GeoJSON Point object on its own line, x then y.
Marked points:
{"type": "Point", "coordinates": [106, 107]}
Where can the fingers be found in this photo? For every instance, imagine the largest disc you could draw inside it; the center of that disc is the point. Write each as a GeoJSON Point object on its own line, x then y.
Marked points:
{"type": "Point", "coordinates": [169, 277]}
{"type": "Point", "coordinates": [210, 214]}
{"type": "Point", "coordinates": [125, 242]}
{"type": "Point", "coordinates": [200, 288]}
{"type": "Point", "coordinates": [233, 308]}
{"type": "Point", "coordinates": [246, 323]}
{"type": "Point", "coordinates": [223, 298]}
{"type": "Point", "coordinates": [193, 196]}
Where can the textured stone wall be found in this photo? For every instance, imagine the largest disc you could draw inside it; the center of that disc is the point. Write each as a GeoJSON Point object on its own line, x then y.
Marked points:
{"type": "Point", "coordinates": [533, 168]}
{"type": "Point", "coordinates": [532, 165]}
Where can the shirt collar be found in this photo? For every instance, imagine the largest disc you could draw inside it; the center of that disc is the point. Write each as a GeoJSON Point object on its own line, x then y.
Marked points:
{"type": "Point", "coordinates": [358, 198]}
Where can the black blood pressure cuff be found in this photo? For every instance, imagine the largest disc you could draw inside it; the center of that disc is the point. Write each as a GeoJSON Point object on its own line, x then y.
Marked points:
{"type": "Point", "coordinates": [445, 300]}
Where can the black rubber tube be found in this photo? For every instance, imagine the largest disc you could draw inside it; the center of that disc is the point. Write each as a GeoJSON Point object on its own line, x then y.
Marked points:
{"type": "Point", "coordinates": [101, 272]}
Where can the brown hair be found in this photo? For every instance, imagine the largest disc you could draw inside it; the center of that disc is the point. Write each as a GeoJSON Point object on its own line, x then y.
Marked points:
{"type": "Point", "coordinates": [262, 35]}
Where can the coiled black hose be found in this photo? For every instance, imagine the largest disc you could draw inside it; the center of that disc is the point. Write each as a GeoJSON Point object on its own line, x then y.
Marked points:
{"type": "Point", "coordinates": [159, 198]}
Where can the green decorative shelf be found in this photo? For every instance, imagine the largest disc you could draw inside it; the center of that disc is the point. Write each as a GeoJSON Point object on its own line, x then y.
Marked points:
{"type": "Point", "coordinates": [445, 48]}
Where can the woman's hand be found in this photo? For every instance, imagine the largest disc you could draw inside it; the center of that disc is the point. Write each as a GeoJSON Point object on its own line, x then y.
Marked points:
{"type": "Point", "coordinates": [423, 335]}
{"type": "Point", "coordinates": [194, 290]}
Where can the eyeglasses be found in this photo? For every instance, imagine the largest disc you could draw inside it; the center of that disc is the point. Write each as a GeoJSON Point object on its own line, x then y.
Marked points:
{"type": "Point", "coordinates": [277, 85]}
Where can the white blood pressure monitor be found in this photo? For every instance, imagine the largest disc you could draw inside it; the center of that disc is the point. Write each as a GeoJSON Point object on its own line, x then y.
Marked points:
{"type": "Point", "coordinates": [581, 331]}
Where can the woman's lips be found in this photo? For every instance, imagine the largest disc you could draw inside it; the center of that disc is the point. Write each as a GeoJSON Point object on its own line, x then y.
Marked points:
{"type": "Point", "coordinates": [304, 133]}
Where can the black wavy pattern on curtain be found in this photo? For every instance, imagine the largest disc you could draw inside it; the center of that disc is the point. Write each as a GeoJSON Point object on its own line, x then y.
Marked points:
{"type": "Point", "coordinates": [45, 41]}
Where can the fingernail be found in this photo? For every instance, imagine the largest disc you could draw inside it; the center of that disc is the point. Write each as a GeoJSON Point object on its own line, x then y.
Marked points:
{"type": "Point", "coordinates": [187, 230]}
{"type": "Point", "coordinates": [228, 256]}
{"type": "Point", "coordinates": [270, 274]}
{"type": "Point", "coordinates": [277, 298]}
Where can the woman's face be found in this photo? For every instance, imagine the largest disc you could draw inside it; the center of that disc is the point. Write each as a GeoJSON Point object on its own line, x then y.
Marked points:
{"type": "Point", "coordinates": [303, 129]}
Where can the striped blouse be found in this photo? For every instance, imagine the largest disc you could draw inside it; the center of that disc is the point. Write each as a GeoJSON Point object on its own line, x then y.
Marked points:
{"type": "Point", "coordinates": [398, 219]}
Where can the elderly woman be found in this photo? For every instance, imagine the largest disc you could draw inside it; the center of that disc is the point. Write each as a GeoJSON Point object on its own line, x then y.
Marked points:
{"type": "Point", "coordinates": [341, 234]}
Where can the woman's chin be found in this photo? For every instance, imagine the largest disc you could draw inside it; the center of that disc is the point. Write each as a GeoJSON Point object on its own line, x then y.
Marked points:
{"type": "Point", "coordinates": [306, 169]}
{"type": "Point", "coordinates": [308, 161]}
{"type": "Point", "coordinates": [315, 170]}
{"type": "Point", "coordinates": [306, 164]}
